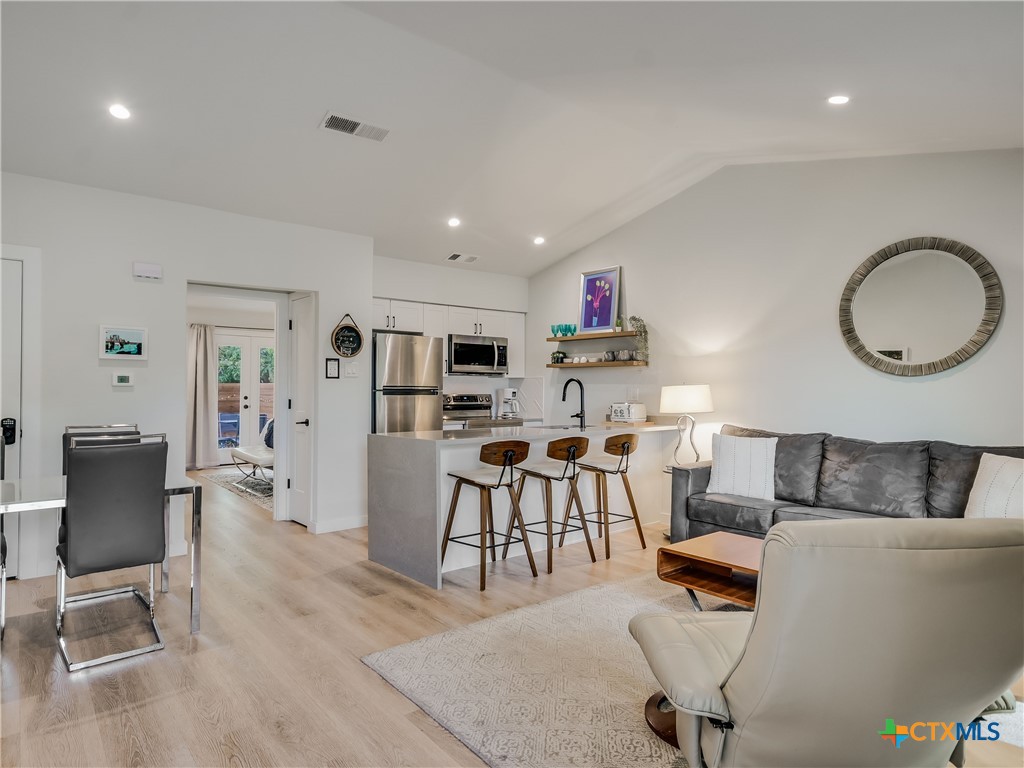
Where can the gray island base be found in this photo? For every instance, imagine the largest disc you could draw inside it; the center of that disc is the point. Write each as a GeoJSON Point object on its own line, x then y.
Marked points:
{"type": "Point", "coordinates": [409, 491]}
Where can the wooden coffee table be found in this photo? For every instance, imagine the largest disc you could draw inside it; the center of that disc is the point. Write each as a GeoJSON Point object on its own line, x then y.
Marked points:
{"type": "Point", "coordinates": [721, 564]}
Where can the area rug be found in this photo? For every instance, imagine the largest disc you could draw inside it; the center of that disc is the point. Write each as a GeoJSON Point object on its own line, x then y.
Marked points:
{"type": "Point", "coordinates": [561, 683]}
{"type": "Point", "coordinates": [254, 489]}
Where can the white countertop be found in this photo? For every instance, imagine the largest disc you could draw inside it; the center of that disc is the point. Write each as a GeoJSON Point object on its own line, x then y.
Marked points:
{"type": "Point", "coordinates": [553, 432]}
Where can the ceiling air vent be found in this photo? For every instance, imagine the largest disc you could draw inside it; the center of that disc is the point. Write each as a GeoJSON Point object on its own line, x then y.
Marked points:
{"type": "Point", "coordinates": [335, 122]}
{"type": "Point", "coordinates": [462, 259]}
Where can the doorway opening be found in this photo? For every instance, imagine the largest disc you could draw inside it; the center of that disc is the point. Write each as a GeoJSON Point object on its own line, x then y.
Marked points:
{"type": "Point", "coordinates": [238, 379]}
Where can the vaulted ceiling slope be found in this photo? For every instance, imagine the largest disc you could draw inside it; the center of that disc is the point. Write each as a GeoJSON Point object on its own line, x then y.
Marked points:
{"type": "Point", "coordinates": [557, 119]}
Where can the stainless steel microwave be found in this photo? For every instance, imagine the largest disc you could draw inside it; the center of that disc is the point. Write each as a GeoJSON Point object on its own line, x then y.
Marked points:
{"type": "Point", "coordinates": [481, 355]}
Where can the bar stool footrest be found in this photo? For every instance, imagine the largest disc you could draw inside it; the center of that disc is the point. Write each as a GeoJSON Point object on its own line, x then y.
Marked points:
{"type": "Point", "coordinates": [556, 527]}
{"type": "Point", "coordinates": [620, 517]}
{"type": "Point", "coordinates": [497, 535]}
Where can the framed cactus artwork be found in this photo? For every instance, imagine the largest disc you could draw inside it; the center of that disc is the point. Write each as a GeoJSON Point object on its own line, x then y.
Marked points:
{"type": "Point", "coordinates": [599, 299]}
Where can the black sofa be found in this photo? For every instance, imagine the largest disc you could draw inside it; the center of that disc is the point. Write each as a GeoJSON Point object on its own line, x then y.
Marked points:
{"type": "Point", "coordinates": [820, 477]}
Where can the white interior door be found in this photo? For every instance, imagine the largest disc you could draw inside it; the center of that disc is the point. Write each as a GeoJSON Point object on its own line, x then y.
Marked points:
{"type": "Point", "coordinates": [302, 313]}
{"type": "Point", "coordinates": [245, 388]}
{"type": "Point", "coordinates": [10, 389]}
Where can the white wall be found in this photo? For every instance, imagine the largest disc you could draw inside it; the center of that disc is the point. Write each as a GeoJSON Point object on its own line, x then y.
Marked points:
{"type": "Point", "coordinates": [739, 280]}
{"type": "Point", "coordinates": [89, 239]}
{"type": "Point", "coordinates": [461, 287]}
{"type": "Point", "coordinates": [230, 317]}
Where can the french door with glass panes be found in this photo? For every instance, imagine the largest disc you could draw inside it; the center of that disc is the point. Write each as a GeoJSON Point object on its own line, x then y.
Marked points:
{"type": "Point", "coordinates": [245, 388]}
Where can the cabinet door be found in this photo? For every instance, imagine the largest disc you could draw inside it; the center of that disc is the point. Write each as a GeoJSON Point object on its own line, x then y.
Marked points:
{"type": "Point", "coordinates": [492, 323]}
{"type": "Point", "coordinates": [515, 329]}
{"type": "Point", "coordinates": [435, 323]}
{"type": "Point", "coordinates": [381, 314]}
{"type": "Point", "coordinates": [463, 321]}
{"type": "Point", "coordinates": [406, 315]}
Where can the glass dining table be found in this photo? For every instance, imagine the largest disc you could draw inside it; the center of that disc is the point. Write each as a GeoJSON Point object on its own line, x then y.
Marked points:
{"type": "Point", "coordinates": [35, 493]}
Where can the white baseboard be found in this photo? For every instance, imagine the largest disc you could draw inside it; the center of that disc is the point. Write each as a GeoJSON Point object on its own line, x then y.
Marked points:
{"type": "Point", "coordinates": [337, 524]}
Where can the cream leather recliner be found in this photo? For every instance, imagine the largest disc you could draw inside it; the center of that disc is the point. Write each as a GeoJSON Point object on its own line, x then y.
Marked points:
{"type": "Point", "coordinates": [857, 622]}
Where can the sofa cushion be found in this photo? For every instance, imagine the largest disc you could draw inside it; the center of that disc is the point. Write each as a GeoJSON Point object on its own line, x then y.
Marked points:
{"type": "Point", "coordinates": [696, 528]}
{"type": "Point", "coordinates": [951, 472]}
{"type": "Point", "coordinates": [819, 513]}
{"type": "Point", "coordinates": [881, 478]}
{"type": "Point", "coordinates": [997, 489]}
{"type": "Point", "coordinates": [730, 511]}
{"type": "Point", "coordinates": [797, 462]}
{"type": "Point", "coordinates": [743, 466]}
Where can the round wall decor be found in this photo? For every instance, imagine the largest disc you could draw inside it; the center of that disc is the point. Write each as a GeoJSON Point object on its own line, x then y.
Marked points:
{"type": "Point", "coordinates": [346, 338]}
{"type": "Point", "coordinates": [929, 304]}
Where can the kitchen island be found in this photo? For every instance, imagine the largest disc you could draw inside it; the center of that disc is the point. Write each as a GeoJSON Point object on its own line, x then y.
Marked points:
{"type": "Point", "coordinates": [410, 490]}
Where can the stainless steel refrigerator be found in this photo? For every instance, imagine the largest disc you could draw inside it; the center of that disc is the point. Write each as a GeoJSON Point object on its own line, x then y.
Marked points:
{"type": "Point", "coordinates": [407, 371]}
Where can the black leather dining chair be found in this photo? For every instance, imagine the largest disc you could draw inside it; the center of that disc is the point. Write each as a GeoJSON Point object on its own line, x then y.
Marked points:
{"type": "Point", "coordinates": [96, 433]}
{"type": "Point", "coordinates": [114, 519]}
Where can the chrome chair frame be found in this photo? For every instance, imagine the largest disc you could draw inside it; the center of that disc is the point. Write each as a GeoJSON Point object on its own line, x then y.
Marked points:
{"type": "Point", "coordinates": [246, 475]}
{"type": "Point", "coordinates": [63, 599]}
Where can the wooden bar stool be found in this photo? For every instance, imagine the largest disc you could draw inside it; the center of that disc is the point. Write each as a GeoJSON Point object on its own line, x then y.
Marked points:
{"type": "Point", "coordinates": [559, 465]}
{"type": "Point", "coordinates": [502, 458]}
{"type": "Point", "coordinates": [618, 449]}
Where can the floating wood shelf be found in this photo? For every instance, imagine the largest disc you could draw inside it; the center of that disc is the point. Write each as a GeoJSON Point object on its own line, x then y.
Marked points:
{"type": "Point", "coordinates": [603, 335]}
{"type": "Point", "coordinates": [602, 364]}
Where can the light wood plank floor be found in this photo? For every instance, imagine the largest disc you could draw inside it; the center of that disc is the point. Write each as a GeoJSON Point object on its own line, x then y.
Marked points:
{"type": "Point", "coordinates": [274, 678]}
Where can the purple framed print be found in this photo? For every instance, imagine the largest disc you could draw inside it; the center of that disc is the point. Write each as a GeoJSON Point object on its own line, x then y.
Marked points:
{"type": "Point", "coordinates": [599, 300]}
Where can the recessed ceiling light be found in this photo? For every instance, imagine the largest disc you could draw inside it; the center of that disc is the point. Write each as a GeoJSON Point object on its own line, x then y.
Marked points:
{"type": "Point", "coordinates": [838, 99]}
{"type": "Point", "coordinates": [453, 222]}
{"type": "Point", "coordinates": [538, 240]}
{"type": "Point", "coordinates": [120, 111]}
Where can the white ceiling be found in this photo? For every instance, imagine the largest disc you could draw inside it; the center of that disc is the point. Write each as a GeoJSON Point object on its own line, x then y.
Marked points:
{"type": "Point", "coordinates": [560, 119]}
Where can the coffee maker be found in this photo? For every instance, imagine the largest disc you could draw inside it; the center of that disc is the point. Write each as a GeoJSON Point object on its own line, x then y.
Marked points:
{"type": "Point", "coordinates": [510, 407]}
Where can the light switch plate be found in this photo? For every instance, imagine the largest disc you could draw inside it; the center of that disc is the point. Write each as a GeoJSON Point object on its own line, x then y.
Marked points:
{"type": "Point", "coordinates": [351, 370]}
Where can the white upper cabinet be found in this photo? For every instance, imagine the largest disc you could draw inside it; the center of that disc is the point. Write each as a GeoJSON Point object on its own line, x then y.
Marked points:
{"type": "Point", "coordinates": [515, 330]}
{"type": "Point", "coordinates": [467, 321]}
{"type": "Point", "coordinates": [440, 320]}
{"type": "Point", "coordinates": [395, 315]}
{"type": "Point", "coordinates": [492, 322]}
{"type": "Point", "coordinates": [463, 321]}
{"type": "Point", "coordinates": [381, 314]}
{"type": "Point", "coordinates": [435, 323]}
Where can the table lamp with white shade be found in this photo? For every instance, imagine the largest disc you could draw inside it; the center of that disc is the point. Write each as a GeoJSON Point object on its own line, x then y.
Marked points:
{"type": "Point", "coordinates": [686, 399]}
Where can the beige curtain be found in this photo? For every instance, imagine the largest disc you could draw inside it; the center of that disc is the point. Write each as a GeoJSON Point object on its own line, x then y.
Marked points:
{"type": "Point", "coordinates": [201, 399]}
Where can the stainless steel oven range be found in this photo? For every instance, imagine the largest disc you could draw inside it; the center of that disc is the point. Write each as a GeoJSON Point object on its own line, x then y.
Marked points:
{"type": "Point", "coordinates": [472, 412]}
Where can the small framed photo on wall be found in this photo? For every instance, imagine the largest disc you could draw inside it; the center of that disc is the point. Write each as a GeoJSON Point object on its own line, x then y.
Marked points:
{"type": "Point", "coordinates": [118, 342]}
{"type": "Point", "coordinates": [599, 300]}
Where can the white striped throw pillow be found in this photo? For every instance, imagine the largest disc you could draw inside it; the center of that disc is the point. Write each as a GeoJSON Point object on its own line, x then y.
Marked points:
{"type": "Point", "coordinates": [743, 466]}
{"type": "Point", "coordinates": [998, 489]}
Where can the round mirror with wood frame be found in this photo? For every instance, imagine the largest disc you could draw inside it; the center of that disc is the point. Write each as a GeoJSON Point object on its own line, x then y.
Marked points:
{"type": "Point", "coordinates": [993, 306]}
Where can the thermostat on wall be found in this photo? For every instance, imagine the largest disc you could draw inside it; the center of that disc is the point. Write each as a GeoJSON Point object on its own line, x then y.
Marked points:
{"type": "Point", "coordinates": [122, 380]}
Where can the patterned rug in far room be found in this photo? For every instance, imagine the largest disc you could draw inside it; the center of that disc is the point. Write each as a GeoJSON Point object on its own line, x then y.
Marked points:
{"type": "Point", "coordinates": [256, 490]}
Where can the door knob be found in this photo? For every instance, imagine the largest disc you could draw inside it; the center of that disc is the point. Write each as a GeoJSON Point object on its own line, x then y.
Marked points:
{"type": "Point", "coordinates": [304, 422]}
